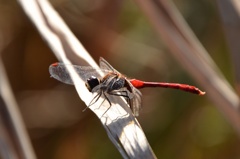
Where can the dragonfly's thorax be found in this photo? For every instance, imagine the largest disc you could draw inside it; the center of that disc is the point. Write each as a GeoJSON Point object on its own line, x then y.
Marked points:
{"type": "Point", "coordinates": [112, 81]}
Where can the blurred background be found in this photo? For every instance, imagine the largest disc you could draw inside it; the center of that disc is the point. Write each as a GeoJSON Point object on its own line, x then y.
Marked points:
{"type": "Point", "coordinates": [177, 124]}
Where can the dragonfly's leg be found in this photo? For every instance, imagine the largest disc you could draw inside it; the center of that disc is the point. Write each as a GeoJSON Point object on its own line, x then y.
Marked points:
{"type": "Point", "coordinates": [110, 104]}
{"type": "Point", "coordinates": [94, 100]}
{"type": "Point", "coordinates": [106, 111]}
{"type": "Point", "coordinates": [123, 93]}
{"type": "Point", "coordinates": [105, 96]}
{"type": "Point", "coordinates": [103, 100]}
{"type": "Point", "coordinates": [126, 95]}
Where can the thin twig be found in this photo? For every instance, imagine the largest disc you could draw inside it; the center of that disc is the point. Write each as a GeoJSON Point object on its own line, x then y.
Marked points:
{"type": "Point", "coordinates": [15, 142]}
{"type": "Point", "coordinates": [230, 14]}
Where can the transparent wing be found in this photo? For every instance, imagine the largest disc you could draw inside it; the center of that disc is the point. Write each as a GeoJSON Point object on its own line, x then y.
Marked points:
{"type": "Point", "coordinates": [59, 72]}
{"type": "Point", "coordinates": [136, 101]}
{"type": "Point", "coordinates": [104, 65]}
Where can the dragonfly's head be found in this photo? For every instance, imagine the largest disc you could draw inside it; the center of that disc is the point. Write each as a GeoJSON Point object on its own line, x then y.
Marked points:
{"type": "Point", "coordinates": [92, 82]}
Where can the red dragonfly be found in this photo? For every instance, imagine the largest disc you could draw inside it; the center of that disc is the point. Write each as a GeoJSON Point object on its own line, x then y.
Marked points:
{"type": "Point", "coordinates": [113, 83]}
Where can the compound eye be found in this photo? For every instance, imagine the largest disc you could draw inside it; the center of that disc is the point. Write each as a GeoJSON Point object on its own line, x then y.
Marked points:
{"type": "Point", "coordinates": [92, 82]}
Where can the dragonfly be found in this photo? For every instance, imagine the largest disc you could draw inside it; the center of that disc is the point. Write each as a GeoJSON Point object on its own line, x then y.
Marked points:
{"type": "Point", "coordinates": [113, 83]}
